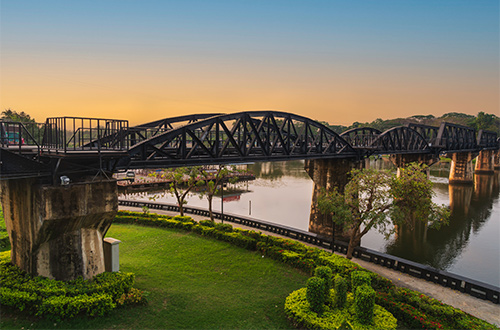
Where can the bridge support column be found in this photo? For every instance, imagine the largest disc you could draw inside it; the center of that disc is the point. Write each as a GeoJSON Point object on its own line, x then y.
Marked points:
{"type": "Point", "coordinates": [327, 174]}
{"type": "Point", "coordinates": [496, 160]}
{"type": "Point", "coordinates": [461, 170]}
{"type": "Point", "coordinates": [484, 162]}
{"type": "Point", "coordinates": [402, 160]}
{"type": "Point", "coordinates": [58, 231]}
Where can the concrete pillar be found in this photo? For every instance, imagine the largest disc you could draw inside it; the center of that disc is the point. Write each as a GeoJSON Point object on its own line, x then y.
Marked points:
{"type": "Point", "coordinates": [57, 231]}
{"type": "Point", "coordinates": [328, 173]}
{"type": "Point", "coordinates": [496, 160]}
{"type": "Point", "coordinates": [484, 162]}
{"type": "Point", "coordinates": [461, 170]}
{"type": "Point", "coordinates": [403, 160]}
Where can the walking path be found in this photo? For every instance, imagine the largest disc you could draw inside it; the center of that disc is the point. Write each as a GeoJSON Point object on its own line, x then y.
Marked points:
{"type": "Point", "coordinates": [482, 309]}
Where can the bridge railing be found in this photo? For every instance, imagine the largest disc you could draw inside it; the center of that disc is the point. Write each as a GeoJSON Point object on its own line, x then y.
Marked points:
{"type": "Point", "coordinates": [456, 282]}
{"type": "Point", "coordinates": [81, 134]}
{"type": "Point", "coordinates": [19, 134]}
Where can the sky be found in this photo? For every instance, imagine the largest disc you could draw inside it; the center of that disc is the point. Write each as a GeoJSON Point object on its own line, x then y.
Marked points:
{"type": "Point", "coordinates": [335, 61]}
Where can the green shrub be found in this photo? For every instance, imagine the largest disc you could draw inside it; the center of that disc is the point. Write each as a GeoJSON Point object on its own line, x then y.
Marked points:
{"type": "Point", "coordinates": [364, 302]}
{"type": "Point", "coordinates": [224, 227]}
{"type": "Point", "coordinates": [183, 218]}
{"type": "Point", "coordinates": [325, 273]}
{"type": "Point", "coordinates": [207, 223]}
{"type": "Point", "coordinates": [340, 289]}
{"type": "Point", "coordinates": [359, 278]}
{"type": "Point", "coordinates": [298, 311]}
{"type": "Point", "coordinates": [57, 299]}
{"type": "Point", "coordinates": [18, 299]}
{"type": "Point", "coordinates": [62, 307]}
{"type": "Point", "coordinates": [315, 293]}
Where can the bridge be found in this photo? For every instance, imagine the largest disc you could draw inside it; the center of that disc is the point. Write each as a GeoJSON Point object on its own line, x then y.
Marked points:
{"type": "Point", "coordinates": [81, 146]}
{"type": "Point", "coordinates": [58, 200]}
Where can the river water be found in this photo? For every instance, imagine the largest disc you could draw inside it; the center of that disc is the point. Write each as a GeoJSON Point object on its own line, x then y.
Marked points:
{"type": "Point", "coordinates": [468, 246]}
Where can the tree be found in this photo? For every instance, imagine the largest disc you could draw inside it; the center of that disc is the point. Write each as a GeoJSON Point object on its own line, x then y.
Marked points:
{"type": "Point", "coordinates": [12, 115]}
{"type": "Point", "coordinates": [412, 199]}
{"type": "Point", "coordinates": [361, 207]}
{"type": "Point", "coordinates": [184, 179]}
{"type": "Point", "coordinates": [367, 202]}
{"type": "Point", "coordinates": [212, 180]}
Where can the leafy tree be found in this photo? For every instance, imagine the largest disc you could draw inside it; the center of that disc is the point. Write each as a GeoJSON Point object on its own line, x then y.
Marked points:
{"type": "Point", "coordinates": [361, 207]}
{"type": "Point", "coordinates": [412, 199]}
{"type": "Point", "coordinates": [184, 179]}
{"type": "Point", "coordinates": [12, 115]}
{"type": "Point", "coordinates": [375, 199]}
{"type": "Point", "coordinates": [212, 180]}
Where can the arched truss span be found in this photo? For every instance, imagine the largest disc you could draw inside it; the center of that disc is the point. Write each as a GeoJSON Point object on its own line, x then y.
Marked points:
{"type": "Point", "coordinates": [401, 139]}
{"type": "Point", "coordinates": [361, 137]}
{"type": "Point", "coordinates": [145, 131]}
{"type": "Point", "coordinates": [240, 137]}
{"type": "Point", "coordinates": [136, 134]}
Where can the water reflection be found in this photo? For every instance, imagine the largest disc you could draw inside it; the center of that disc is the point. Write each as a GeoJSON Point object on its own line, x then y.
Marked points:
{"type": "Point", "coordinates": [469, 246]}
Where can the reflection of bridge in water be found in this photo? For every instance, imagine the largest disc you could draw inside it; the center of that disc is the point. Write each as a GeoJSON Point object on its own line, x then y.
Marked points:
{"type": "Point", "coordinates": [86, 151]}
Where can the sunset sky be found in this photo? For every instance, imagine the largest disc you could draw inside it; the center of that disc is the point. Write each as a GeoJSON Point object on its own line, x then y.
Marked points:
{"type": "Point", "coordinates": [335, 61]}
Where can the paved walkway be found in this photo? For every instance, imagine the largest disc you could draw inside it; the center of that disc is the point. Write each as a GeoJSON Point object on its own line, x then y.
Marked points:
{"type": "Point", "coordinates": [482, 309]}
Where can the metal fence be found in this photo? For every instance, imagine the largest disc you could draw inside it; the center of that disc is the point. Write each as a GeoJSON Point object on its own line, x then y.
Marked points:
{"type": "Point", "coordinates": [79, 134]}
{"type": "Point", "coordinates": [463, 284]}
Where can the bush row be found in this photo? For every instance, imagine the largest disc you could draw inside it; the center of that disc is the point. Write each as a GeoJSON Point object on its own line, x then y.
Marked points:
{"type": "Point", "coordinates": [58, 300]}
{"type": "Point", "coordinates": [411, 308]}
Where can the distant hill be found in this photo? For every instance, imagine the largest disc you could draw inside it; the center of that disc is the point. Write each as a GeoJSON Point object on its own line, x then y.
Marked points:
{"type": "Point", "coordinates": [483, 121]}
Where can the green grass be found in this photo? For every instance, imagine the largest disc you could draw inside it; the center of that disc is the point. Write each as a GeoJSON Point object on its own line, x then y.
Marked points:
{"type": "Point", "coordinates": [194, 283]}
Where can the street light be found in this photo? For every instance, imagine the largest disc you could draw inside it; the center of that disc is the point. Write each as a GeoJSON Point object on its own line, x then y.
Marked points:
{"type": "Point", "coordinates": [222, 201]}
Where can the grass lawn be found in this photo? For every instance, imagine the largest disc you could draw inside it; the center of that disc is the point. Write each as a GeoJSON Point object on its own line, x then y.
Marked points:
{"type": "Point", "coordinates": [194, 283]}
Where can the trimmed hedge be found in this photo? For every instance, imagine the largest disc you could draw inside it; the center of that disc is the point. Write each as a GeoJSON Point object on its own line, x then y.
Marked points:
{"type": "Point", "coordinates": [340, 287]}
{"type": "Point", "coordinates": [307, 258]}
{"type": "Point", "coordinates": [58, 300]}
{"type": "Point", "coordinates": [298, 311]}
{"type": "Point", "coordinates": [359, 278]}
{"type": "Point", "coordinates": [364, 302]}
{"type": "Point", "coordinates": [315, 293]}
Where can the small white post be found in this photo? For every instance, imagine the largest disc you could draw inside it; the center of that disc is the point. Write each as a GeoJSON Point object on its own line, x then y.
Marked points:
{"type": "Point", "coordinates": [111, 254]}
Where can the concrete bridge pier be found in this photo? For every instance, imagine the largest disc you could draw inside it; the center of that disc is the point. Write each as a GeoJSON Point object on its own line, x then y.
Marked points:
{"type": "Point", "coordinates": [327, 174]}
{"type": "Point", "coordinates": [58, 231]}
{"type": "Point", "coordinates": [496, 160]}
{"type": "Point", "coordinates": [485, 161]}
{"type": "Point", "coordinates": [461, 170]}
{"type": "Point", "coordinates": [402, 160]}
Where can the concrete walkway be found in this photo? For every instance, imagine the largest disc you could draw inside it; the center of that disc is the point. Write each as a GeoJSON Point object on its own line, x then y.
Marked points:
{"type": "Point", "coordinates": [482, 309]}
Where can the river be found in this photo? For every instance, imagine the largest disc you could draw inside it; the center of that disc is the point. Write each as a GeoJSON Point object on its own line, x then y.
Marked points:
{"type": "Point", "coordinates": [468, 246]}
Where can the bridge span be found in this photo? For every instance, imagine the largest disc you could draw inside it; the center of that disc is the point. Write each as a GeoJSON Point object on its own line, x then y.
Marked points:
{"type": "Point", "coordinates": [58, 200]}
{"type": "Point", "coordinates": [81, 146]}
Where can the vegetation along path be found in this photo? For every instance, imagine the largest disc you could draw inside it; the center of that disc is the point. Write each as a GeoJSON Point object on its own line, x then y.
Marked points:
{"type": "Point", "coordinates": [482, 309]}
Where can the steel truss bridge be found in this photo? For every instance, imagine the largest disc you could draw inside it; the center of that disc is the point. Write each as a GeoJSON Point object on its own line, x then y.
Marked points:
{"type": "Point", "coordinates": [82, 146]}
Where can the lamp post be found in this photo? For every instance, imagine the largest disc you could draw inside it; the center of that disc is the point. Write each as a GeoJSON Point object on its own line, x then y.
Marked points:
{"type": "Point", "coordinates": [333, 236]}
{"type": "Point", "coordinates": [222, 201]}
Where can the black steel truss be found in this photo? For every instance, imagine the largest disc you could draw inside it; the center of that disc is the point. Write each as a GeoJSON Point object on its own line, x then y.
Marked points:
{"type": "Point", "coordinates": [240, 137]}
{"type": "Point", "coordinates": [401, 140]}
